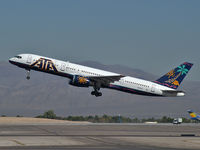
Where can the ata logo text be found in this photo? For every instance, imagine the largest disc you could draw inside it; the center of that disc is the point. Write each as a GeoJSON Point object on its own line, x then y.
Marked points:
{"type": "Point", "coordinates": [45, 64]}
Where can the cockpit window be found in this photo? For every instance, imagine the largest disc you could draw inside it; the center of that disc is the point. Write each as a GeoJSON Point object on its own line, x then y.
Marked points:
{"type": "Point", "coordinates": [18, 57]}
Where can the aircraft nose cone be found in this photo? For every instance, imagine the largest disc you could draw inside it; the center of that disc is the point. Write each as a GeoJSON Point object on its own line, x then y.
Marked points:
{"type": "Point", "coordinates": [11, 60]}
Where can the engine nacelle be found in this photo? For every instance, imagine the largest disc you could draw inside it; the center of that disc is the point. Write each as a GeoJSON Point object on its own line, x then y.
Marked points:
{"type": "Point", "coordinates": [80, 81]}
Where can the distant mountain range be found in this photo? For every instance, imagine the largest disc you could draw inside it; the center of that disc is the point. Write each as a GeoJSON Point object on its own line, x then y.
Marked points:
{"type": "Point", "coordinates": [42, 92]}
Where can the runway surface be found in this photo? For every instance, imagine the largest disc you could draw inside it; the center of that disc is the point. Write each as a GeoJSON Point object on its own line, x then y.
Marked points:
{"type": "Point", "coordinates": [99, 136]}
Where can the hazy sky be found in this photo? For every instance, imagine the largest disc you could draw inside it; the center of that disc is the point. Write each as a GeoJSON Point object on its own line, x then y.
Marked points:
{"type": "Point", "coordinates": [151, 35]}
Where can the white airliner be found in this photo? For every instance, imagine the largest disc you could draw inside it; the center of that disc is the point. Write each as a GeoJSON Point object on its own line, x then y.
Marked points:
{"type": "Point", "coordinates": [82, 76]}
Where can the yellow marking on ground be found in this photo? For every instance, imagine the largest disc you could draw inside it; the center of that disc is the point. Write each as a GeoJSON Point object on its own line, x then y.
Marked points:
{"type": "Point", "coordinates": [22, 144]}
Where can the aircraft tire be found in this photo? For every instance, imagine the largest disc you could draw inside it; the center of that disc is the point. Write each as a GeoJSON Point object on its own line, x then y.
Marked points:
{"type": "Point", "coordinates": [98, 94]}
{"type": "Point", "coordinates": [93, 93]}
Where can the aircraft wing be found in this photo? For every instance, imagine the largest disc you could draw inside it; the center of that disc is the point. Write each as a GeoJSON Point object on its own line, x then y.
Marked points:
{"type": "Point", "coordinates": [105, 80]}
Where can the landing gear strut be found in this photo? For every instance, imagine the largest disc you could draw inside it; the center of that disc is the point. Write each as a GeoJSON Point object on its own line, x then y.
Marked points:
{"type": "Point", "coordinates": [96, 90]}
{"type": "Point", "coordinates": [28, 75]}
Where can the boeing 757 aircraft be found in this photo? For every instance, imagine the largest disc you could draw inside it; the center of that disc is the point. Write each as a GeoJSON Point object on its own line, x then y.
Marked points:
{"type": "Point", "coordinates": [82, 76]}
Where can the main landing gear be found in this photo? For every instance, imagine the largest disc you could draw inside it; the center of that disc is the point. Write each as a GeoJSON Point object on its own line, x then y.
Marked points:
{"type": "Point", "coordinates": [96, 90]}
{"type": "Point", "coordinates": [28, 75]}
{"type": "Point", "coordinates": [96, 93]}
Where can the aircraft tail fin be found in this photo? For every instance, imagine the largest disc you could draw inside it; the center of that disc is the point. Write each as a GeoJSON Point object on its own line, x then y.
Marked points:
{"type": "Point", "coordinates": [174, 77]}
{"type": "Point", "coordinates": [193, 115]}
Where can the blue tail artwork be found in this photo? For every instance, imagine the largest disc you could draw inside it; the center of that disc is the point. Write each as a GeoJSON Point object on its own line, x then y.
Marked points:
{"type": "Point", "coordinates": [174, 78]}
{"type": "Point", "coordinates": [193, 115]}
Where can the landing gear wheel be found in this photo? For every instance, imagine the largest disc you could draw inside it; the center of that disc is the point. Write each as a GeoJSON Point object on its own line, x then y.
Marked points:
{"type": "Point", "coordinates": [28, 75]}
{"type": "Point", "coordinates": [93, 93]}
{"type": "Point", "coordinates": [98, 94]}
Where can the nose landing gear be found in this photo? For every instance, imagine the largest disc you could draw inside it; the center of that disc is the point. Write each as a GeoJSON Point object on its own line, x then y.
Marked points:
{"type": "Point", "coordinates": [28, 75]}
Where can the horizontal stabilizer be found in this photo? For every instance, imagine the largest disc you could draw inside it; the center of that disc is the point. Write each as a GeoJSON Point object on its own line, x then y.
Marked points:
{"type": "Point", "coordinates": [170, 93]}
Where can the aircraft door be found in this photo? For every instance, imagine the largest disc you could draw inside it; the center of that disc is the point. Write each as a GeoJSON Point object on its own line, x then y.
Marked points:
{"type": "Point", "coordinates": [153, 87]}
{"type": "Point", "coordinates": [63, 65]}
{"type": "Point", "coordinates": [29, 59]}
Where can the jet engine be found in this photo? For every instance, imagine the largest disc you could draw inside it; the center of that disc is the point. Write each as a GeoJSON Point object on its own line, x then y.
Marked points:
{"type": "Point", "coordinates": [80, 81]}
